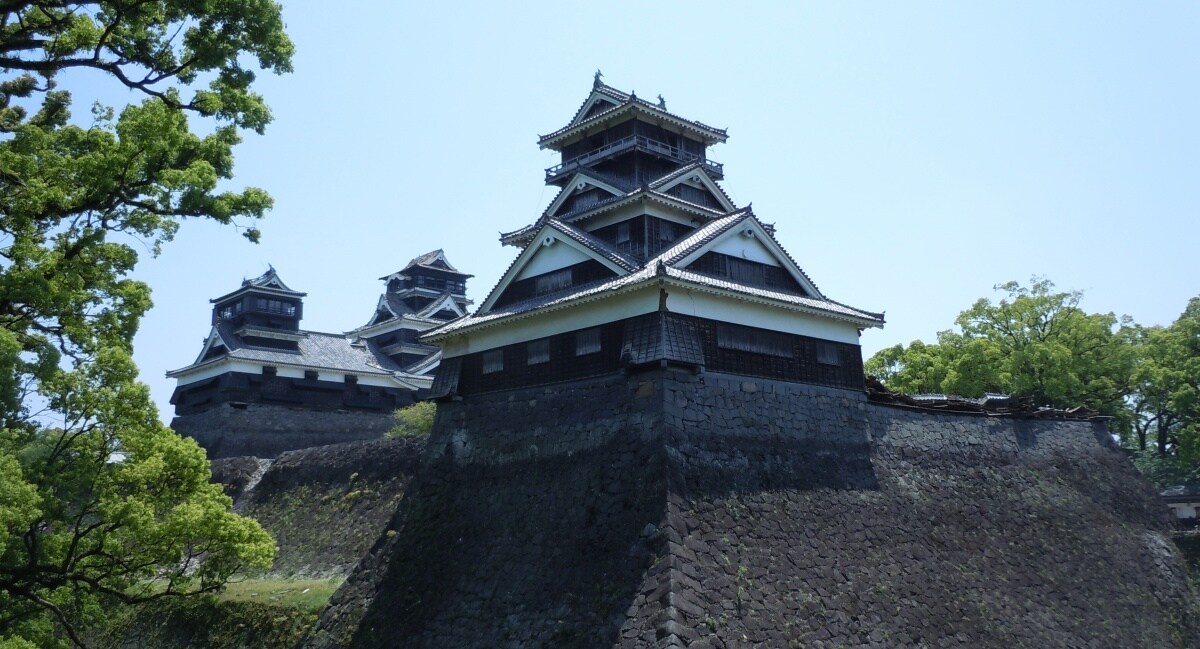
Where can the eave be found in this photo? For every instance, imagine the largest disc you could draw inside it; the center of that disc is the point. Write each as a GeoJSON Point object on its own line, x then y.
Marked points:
{"type": "Point", "coordinates": [632, 107]}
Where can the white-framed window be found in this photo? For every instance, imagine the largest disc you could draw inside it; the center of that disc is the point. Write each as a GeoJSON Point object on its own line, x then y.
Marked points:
{"type": "Point", "coordinates": [538, 351]}
{"type": "Point", "coordinates": [493, 361]}
{"type": "Point", "coordinates": [587, 341]}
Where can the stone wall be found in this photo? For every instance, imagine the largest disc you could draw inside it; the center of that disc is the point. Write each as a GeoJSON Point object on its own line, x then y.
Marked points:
{"type": "Point", "coordinates": [670, 510]}
{"type": "Point", "coordinates": [327, 505]}
{"type": "Point", "coordinates": [266, 430]}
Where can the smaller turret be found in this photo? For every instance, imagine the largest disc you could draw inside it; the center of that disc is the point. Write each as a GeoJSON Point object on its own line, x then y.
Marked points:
{"type": "Point", "coordinates": [262, 309]}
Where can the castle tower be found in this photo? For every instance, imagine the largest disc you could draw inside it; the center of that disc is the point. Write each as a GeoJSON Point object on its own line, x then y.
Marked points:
{"type": "Point", "coordinates": [262, 385]}
{"type": "Point", "coordinates": [428, 292]}
{"type": "Point", "coordinates": [642, 260]}
{"type": "Point", "coordinates": [655, 435]}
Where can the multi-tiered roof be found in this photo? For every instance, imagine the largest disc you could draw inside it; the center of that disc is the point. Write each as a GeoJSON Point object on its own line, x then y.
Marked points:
{"type": "Point", "coordinates": [641, 225]}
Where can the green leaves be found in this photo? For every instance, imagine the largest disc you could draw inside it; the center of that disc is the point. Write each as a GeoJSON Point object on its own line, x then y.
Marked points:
{"type": "Point", "coordinates": [1168, 386]}
{"type": "Point", "coordinates": [99, 501]}
{"type": "Point", "coordinates": [414, 420]}
{"type": "Point", "coordinates": [1038, 343]}
{"type": "Point", "coordinates": [1034, 343]}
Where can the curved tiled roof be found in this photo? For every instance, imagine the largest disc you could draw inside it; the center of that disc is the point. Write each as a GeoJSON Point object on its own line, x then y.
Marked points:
{"type": "Point", "coordinates": [630, 102]}
{"type": "Point", "coordinates": [662, 266]}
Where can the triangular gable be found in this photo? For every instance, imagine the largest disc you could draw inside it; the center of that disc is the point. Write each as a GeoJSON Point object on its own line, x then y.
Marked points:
{"type": "Point", "coordinates": [603, 97]}
{"type": "Point", "coordinates": [595, 103]}
{"type": "Point", "coordinates": [746, 238]}
{"type": "Point", "coordinates": [551, 249]}
{"type": "Point", "coordinates": [269, 279]}
{"type": "Point", "coordinates": [214, 340]}
{"type": "Point", "coordinates": [383, 311]}
{"type": "Point", "coordinates": [447, 301]}
{"type": "Point", "coordinates": [581, 182]}
{"type": "Point", "coordinates": [699, 179]}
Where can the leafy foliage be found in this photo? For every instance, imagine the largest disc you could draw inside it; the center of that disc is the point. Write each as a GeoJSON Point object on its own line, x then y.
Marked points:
{"type": "Point", "coordinates": [1037, 343]}
{"type": "Point", "coordinates": [414, 419]}
{"type": "Point", "coordinates": [1167, 400]}
{"type": "Point", "coordinates": [97, 497]}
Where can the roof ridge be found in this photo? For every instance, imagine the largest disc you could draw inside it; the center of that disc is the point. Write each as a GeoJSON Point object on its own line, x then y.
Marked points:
{"type": "Point", "coordinates": [701, 236]}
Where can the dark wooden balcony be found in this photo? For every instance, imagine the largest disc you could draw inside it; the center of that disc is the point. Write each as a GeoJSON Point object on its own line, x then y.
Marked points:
{"type": "Point", "coordinates": [632, 143]}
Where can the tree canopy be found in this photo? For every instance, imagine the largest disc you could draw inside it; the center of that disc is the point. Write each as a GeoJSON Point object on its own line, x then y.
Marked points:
{"type": "Point", "coordinates": [1037, 343]}
{"type": "Point", "coordinates": [98, 500]}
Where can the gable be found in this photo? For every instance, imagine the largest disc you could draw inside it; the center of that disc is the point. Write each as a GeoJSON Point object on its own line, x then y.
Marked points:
{"type": "Point", "coordinates": [699, 188]}
{"type": "Point", "coordinates": [580, 193]}
{"type": "Point", "coordinates": [599, 105]}
{"type": "Point", "coordinates": [551, 251]}
{"type": "Point", "coordinates": [447, 308]}
{"type": "Point", "coordinates": [595, 104]}
{"type": "Point", "coordinates": [214, 346]}
{"type": "Point", "coordinates": [549, 258]}
{"type": "Point", "coordinates": [746, 254]}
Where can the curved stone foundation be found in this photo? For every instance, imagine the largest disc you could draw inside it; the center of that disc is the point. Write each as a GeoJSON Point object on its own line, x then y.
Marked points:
{"type": "Point", "coordinates": [674, 510]}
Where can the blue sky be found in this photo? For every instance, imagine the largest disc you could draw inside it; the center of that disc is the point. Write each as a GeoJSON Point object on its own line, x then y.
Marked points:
{"type": "Point", "coordinates": [912, 155]}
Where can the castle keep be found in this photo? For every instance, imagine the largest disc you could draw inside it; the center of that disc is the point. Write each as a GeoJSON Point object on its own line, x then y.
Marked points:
{"type": "Point", "coordinates": [643, 260]}
{"type": "Point", "coordinates": [262, 385]}
{"type": "Point", "coordinates": [654, 433]}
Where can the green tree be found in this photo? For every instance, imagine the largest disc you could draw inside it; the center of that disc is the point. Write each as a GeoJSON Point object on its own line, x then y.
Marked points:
{"type": "Point", "coordinates": [1035, 343]}
{"type": "Point", "coordinates": [414, 419]}
{"type": "Point", "coordinates": [1167, 400]}
{"type": "Point", "coordinates": [99, 502]}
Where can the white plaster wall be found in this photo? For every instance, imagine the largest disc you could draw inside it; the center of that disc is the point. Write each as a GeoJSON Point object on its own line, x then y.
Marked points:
{"type": "Point", "coordinates": [247, 367]}
{"type": "Point", "coordinates": [714, 307]}
{"type": "Point", "coordinates": [548, 324]}
{"type": "Point", "coordinates": [547, 258]}
{"type": "Point", "coordinates": [742, 247]}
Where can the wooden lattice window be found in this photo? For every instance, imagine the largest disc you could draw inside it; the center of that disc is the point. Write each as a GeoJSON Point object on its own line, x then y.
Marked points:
{"type": "Point", "coordinates": [755, 341]}
{"type": "Point", "coordinates": [827, 354]}
{"type": "Point", "coordinates": [551, 282]}
{"type": "Point", "coordinates": [538, 351]}
{"type": "Point", "coordinates": [587, 341]}
{"type": "Point", "coordinates": [493, 361]}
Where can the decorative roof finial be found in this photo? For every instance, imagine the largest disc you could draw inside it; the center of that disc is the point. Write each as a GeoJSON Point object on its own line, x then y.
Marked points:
{"type": "Point", "coordinates": [596, 79]}
{"type": "Point", "coordinates": [662, 103]}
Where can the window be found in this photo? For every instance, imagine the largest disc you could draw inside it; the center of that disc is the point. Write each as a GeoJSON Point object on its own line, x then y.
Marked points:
{"type": "Point", "coordinates": [623, 232]}
{"type": "Point", "coordinates": [538, 351]}
{"type": "Point", "coordinates": [231, 310]}
{"type": "Point", "coordinates": [587, 341]}
{"type": "Point", "coordinates": [311, 375]}
{"type": "Point", "coordinates": [827, 354]}
{"type": "Point", "coordinates": [554, 281]}
{"type": "Point", "coordinates": [270, 370]}
{"type": "Point", "coordinates": [755, 341]}
{"type": "Point", "coordinates": [274, 306]}
{"type": "Point", "coordinates": [351, 379]}
{"type": "Point", "coordinates": [493, 361]}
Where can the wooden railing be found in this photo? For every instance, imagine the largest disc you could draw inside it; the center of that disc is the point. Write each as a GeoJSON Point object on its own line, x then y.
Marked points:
{"type": "Point", "coordinates": [638, 142]}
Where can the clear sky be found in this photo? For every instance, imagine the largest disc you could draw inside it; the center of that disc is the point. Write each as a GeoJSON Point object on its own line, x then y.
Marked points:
{"type": "Point", "coordinates": [912, 155]}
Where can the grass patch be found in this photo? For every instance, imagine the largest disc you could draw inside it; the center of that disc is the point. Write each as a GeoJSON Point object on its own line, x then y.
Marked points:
{"type": "Point", "coordinates": [302, 594]}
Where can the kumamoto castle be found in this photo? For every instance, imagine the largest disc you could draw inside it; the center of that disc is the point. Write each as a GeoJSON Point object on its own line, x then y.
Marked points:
{"type": "Point", "coordinates": [655, 431]}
